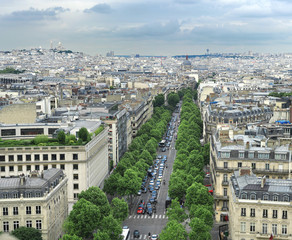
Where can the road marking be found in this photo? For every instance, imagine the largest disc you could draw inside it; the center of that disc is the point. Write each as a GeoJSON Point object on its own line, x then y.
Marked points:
{"type": "Point", "coordinates": [145, 236]}
{"type": "Point", "coordinates": [130, 216]}
{"type": "Point", "coordinates": [156, 216]}
{"type": "Point", "coordinates": [153, 216]}
{"type": "Point", "coordinates": [159, 216]}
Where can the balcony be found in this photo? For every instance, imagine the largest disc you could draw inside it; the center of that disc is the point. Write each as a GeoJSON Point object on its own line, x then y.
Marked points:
{"type": "Point", "coordinates": [270, 171]}
{"type": "Point", "coordinates": [224, 209]}
{"type": "Point", "coordinates": [225, 183]}
{"type": "Point", "coordinates": [267, 236]}
{"type": "Point", "coordinates": [220, 197]}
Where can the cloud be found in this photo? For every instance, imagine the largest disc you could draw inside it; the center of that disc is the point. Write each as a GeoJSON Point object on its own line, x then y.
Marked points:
{"type": "Point", "coordinates": [100, 8]}
{"type": "Point", "coordinates": [34, 14]}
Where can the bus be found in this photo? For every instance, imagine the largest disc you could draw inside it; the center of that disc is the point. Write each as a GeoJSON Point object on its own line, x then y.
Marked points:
{"type": "Point", "coordinates": [162, 143]}
{"type": "Point", "coordinates": [126, 233]}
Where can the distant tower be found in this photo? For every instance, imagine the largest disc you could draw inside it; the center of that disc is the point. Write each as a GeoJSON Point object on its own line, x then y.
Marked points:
{"type": "Point", "coordinates": [51, 44]}
{"type": "Point", "coordinates": [207, 51]}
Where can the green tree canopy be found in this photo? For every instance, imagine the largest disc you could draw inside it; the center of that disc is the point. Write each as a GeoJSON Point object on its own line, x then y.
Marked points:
{"type": "Point", "coordinates": [119, 209]}
{"type": "Point", "coordinates": [24, 233]}
{"type": "Point", "coordinates": [111, 184]}
{"type": "Point", "coordinates": [200, 231]}
{"type": "Point", "coordinates": [203, 213]}
{"type": "Point", "coordinates": [71, 237]}
{"type": "Point", "coordinates": [198, 194]}
{"type": "Point", "coordinates": [83, 219]}
{"type": "Point", "coordinates": [173, 99]}
{"type": "Point", "coordinates": [177, 187]}
{"type": "Point", "coordinates": [158, 100]}
{"type": "Point", "coordinates": [61, 137]}
{"type": "Point", "coordinates": [176, 212]}
{"type": "Point", "coordinates": [130, 183]}
{"type": "Point", "coordinates": [111, 227]}
{"type": "Point", "coordinates": [83, 134]}
{"type": "Point", "coordinates": [173, 231]}
{"type": "Point", "coordinates": [96, 196]}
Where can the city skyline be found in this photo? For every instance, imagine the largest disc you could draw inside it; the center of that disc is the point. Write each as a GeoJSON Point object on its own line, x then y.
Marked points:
{"type": "Point", "coordinates": [163, 27]}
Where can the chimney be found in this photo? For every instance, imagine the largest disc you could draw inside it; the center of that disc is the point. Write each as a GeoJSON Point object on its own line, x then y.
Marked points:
{"type": "Point", "coordinates": [244, 171]}
{"type": "Point", "coordinates": [22, 179]}
{"type": "Point", "coordinates": [263, 181]}
{"type": "Point", "coordinates": [247, 145]}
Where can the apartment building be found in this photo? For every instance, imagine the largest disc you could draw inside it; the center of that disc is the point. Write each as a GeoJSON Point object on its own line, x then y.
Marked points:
{"type": "Point", "coordinates": [38, 200]}
{"type": "Point", "coordinates": [259, 207]}
{"type": "Point", "coordinates": [231, 149]}
{"type": "Point", "coordinates": [84, 165]}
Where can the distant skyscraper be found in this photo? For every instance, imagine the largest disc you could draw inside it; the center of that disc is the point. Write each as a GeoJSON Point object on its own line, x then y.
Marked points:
{"type": "Point", "coordinates": [110, 54]}
{"type": "Point", "coordinates": [51, 47]}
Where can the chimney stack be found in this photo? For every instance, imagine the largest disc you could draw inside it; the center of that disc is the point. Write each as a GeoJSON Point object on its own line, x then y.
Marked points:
{"type": "Point", "coordinates": [263, 182]}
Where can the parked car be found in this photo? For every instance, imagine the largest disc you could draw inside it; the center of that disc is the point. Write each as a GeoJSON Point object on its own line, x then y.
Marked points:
{"type": "Point", "coordinates": [136, 234]}
{"type": "Point", "coordinates": [154, 237]}
{"type": "Point", "coordinates": [139, 193]}
{"type": "Point", "coordinates": [140, 210]}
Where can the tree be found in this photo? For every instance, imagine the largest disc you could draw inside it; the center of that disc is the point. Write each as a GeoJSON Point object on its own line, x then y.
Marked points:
{"type": "Point", "coordinates": [198, 194]}
{"type": "Point", "coordinates": [173, 99]}
{"type": "Point", "coordinates": [41, 139]}
{"type": "Point", "coordinates": [158, 100]}
{"type": "Point", "coordinates": [200, 231]}
{"type": "Point", "coordinates": [83, 134]}
{"type": "Point", "coordinates": [119, 209]}
{"type": "Point", "coordinates": [24, 233]}
{"type": "Point", "coordinates": [111, 227]}
{"type": "Point", "coordinates": [176, 212]}
{"type": "Point", "coordinates": [71, 237]}
{"type": "Point", "coordinates": [96, 196]}
{"type": "Point", "coordinates": [83, 219]}
{"type": "Point", "coordinates": [203, 213]}
{"type": "Point", "coordinates": [177, 187]}
{"type": "Point", "coordinates": [129, 184]}
{"type": "Point", "coordinates": [146, 156]}
{"type": "Point", "coordinates": [111, 184]}
{"type": "Point", "coordinates": [174, 231]}
{"type": "Point", "coordinates": [61, 137]}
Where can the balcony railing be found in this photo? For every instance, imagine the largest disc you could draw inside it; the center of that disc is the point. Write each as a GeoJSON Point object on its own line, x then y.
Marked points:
{"type": "Point", "coordinates": [225, 183]}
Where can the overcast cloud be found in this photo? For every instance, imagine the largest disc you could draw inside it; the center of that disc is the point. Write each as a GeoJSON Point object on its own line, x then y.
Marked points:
{"type": "Point", "coordinates": [160, 27]}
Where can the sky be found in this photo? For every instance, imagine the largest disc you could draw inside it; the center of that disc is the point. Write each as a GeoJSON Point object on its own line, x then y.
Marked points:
{"type": "Point", "coordinates": [148, 27]}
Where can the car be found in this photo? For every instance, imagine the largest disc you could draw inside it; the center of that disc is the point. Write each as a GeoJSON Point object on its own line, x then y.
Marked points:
{"type": "Point", "coordinates": [151, 182]}
{"type": "Point", "coordinates": [154, 237]}
{"type": "Point", "coordinates": [152, 200]}
{"type": "Point", "coordinates": [157, 187]}
{"type": "Point", "coordinates": [151, 188]}
{"type": "Point", "coordinates": [159, 156]}
{"type": "Point", "coordinates": [139, 193]}
{"type": "Point", "coordinates": [163, 149]}
{"type": "Point", "coordinates": [136, 234]}
{"type": "Point", "coordinates": [144, 190]}
{"type": "Point", "coordinates": [167, 145]}
{"type": "Point", "coordinates": [142, 202]}
{"type": "Point", "coordinates": [149, 211]}
{"type": "Point", "coordinates": [140, 210]}
{"type": "Point", "coordinates": [148, 205]}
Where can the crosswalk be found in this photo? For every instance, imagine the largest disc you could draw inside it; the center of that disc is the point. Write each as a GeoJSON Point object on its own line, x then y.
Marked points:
{"type": "Point", "coordinates": [145, 216]}
{"type": "Point", "coordinates": [142, 236]}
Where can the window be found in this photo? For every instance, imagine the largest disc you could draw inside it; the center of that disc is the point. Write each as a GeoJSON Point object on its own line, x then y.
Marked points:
{"type": "Point", "coordinates": [29, 223]}
{"type": "Point", "coordinates": [263, 155]}
{"type": "Point", "coordinates": [243, 196]}
{"type": "Point", "coordinates": [252, 212]}
{"type": "Point", "coordinates": [28, 195]}
{"type": "Point", "coordinates": [38, 194]}
{"type": "Point", "coordinates": [274, 229]}
{"type": "Point", "coordinates": [265, 228]}
{"type": "Point", "coordinates": [15, 210]}
{"type": "Point", "coordinates": [75, 166]}
{"type": "Point", "coordinates": [11, 168]}
{"type": "Point", "coordinates": [19, 158]}
{"type": "Point", "coordinates": [279, 156]}
{"type": "Point", "coordinates": [267, 166]}
{"type": "Point", "coordinates": [265, 213]}
{"type": "Point", "coordinates": [28, 157]}
{"type": "Point", "coordinates": [75, 186]}
{"type": "Point", "coordinates": [275, 198]}
{"type": "Point", "coordinates": [243, 212]}
{"type": "Point", "coordinates": [62, 166]}
{"type": "Point", "coordinates": [241, 154]}
{"type": "Point", "coordinates": [19, 167]}
{"type": "Point", "coordinates": [76, 196]}
{"type": "Point", "coordinates": [2, 158]}
{"type": "Point", "coordinates": [62, 156]}
{"type": "Point", "coordinates": [239, 164]}
{"type": "Point", "coordinates": [54, 157]}
{"type": "Point", "coordinates": [225, 192]}
{"type": "Point", "coordinates": [253, 196]}
{"type": "Point", "coordinates": [5, 211]}
{"type": "Point", "coordinates": [285, 198]}
{"type": "Point", "coordinates": [54, 166]}
{"type": "Point", "coordinates": [37, 167]}
{"type": "Point", "coordinates": [252, 227]}
{"type": "Point", "coordinates": [45, 157]}
{"type": "Point", "coordinates": [38, 224]}
{"type": "Point", "coordinates": [225, 164]}
{"type": "Point", "coordinates": [32, 131]}
{"type": "Point", "coordinates": [8, 132]}
{"type": "Point", "coordinates": [225, 154]}
{"type": "Point", "coordinates": [28, 210]}
{"type": "Point", "coordinates": [275, 213]}
{"type": "Point", "coordinates": [15, 224]}
{"type": "Point", "coordinates": [75, 176]}
{"type": "Point", "coordinates": [251, 155]}
{"type": "Point", "coordinates": [38, 209]}
{"type": "Point", "coordinates": [284, 229]}
{"type": "Point", "coordinates": [285, 215]}
{"type": "Point", "coordinates": [5, 195]}
{"type": "Point", "coordinates": [242, 227]}
{"type": "Point", "coordinates": [28, 168]}
{"type": "Point", "coordinates": [10, 158]}
{"type": "Point", "coordinates": [253, 166]}
{"type": "Point", "coordinates": [266, 197]}
{"type": "Point", "coordinates": [45, 167]}
{"type": "Point", "coordinates": [6, 226]}
{"type": "Point", "coordinates": [36, 157]}
{"type": "Point", "coordinates": [15, 195]}
{"type": "Point", "coordinates": [2, 168]}
{"type": "Point", "coordinates": [75, 156]}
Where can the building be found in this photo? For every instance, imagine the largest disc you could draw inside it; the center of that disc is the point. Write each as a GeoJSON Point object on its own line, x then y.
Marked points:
{"type": "Point", "coordinates": [35, 200]}
{"type": "Point", "coordinates": [84, 165]}
{"type": "Point", "coordinates": [259, 207]}
{"type": "Point", "coordinates": [257, 148]}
